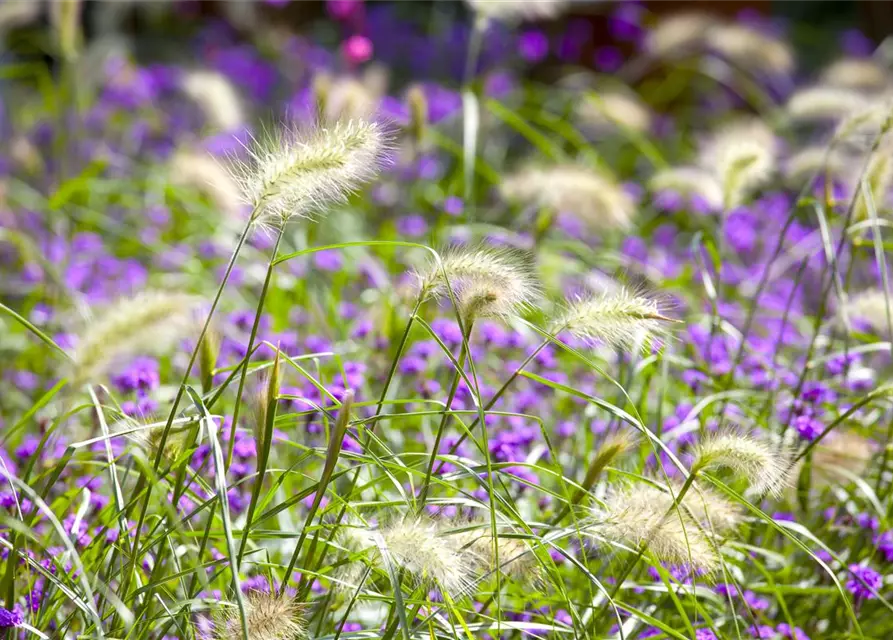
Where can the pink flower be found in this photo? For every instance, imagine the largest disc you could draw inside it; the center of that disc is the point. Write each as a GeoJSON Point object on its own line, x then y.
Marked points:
{"type": "Point", "coordinates": [357, 49]}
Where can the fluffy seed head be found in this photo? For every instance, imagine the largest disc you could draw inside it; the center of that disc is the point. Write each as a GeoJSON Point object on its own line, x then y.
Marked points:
{"type": "Point", "coordinates": [486, 281]}
{"type": "Point", "coordinates": [344, 97]}
{"type": "Point", "coordinates": [269, 617]}
{"type": "Point", "coordinates": [842, 451]}
{"type": "Point", "coordinates": [516, 558]}
{"type": "Point", "coordinates": [824, 102]}
{"type": "Point", "coordinates": [416, 544]}
{"type": "Point", "coordinates": [876, 182]}
{"type": "Point", "coordinates": [216, 97]}
{"type": "Point", "coordinates": [716, 513]}
{"type": "Point", "coordinates": [742, 155]}
{"type": "Point", "coordinates": [610, 109]}
{"type": "Point", "coordinates": [679, 34]}
{"type": "Point", "coordinates": [147, 322]}
{"type": "Point", "coordinates": [297, 173]}
{"type": "Point", "coordinates": [623, 319]}
{"type": "Point", "coordinates": [857, 73]}
{"type": "Point", "coordinates": [811, 161]}
{"type": "Point", "coordinates": [518, 10]}
{"type": "Point", "coordinates": [751, 49]}
{"type": "Point", "coordinates": [201, 172]}
{"type": "Point", "coordinates": [593, 198]}
{"type": "Point", "coordinates": [870, 307]}
{"type": "Point", "coordinates": [644, 516]}
{"type": "Point", "coordinates": [689, 181]}
{"type": "Point", "coordinates": [861, 128]}
{"type": "Point", "coordinates": [763, 464]}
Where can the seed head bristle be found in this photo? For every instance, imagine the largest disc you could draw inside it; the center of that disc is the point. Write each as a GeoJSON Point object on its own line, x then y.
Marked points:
{"type": "Point", "coordinates": [147, 322]}
{"type": "Point", "coordinates": [416, 545]}
{"type": "Point", "coordinates": [269, 617]}
{"type": "Point", "coordinates": [216, 97]}
{"type": "Point", "coordinates": [518, 10]}
{"type": "Point", "coordinates": [623, 319]}
{"type": "Point", "coordinates": [593, 198]}
{"type": "Point", "coordinates": [765, 465]}
{"type": "Point", "coordinates": [680, 34]}
{"type": "Point", "coordinates": [301, 173]}
{"type": "Point", "coordinates": [742, 156]}
{"type": "Point", "coordinates": [689, 181]}
{"type": "Point", "coordinates": [752, 49]}
{"type": "Point", "coordinates": [857, 73]}
{"type": "Point", "coordinates": [644, 516]}
{"type": "Point", "coordinates": [842, 451]}
{"type": "Point", "coordinates": [824, 102]}
{"type": "Point", "coordinates": [486, 281]}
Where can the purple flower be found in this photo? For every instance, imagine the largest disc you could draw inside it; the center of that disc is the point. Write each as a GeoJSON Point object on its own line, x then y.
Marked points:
{"type": "Point", "coordinates": [864, 581]}
{"type": "Point", "coordinates": [704, 634]}
{"type": "Point", "coordinates": [412, 225]}
{"type": "Point", "coordinates": [10, 618]}
{"type": "Point", "coordinates": [453, 206]}
{"type": "Point", "coordinates": [608, 58]}
{"type": "Point", "coordinates": [807, 427]}
{"type": "Point", "coordinates": [884, 544]}
{"type": "Point", "coordinates": [761, 632]}
{"type": "Point", "coordinates": [328, 260]}
{"type": "Point", "coordinates": [533, 45]}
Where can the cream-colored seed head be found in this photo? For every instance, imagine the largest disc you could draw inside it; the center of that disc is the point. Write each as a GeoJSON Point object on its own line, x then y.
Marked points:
{"type": "Point", "coordinates": [742, 155]}
{"type": "Point", "coordinates": [679, 34]}
{"type": "Point", "coordinates": [203, 173]}
{"type": "Point", "coordinates": [825, 102]}
{"type": "Point", "coordinates": [689, 181]}
{"type": "Point", "coordinates": [865, 74]}
{"type": "Point", "coordinates": [612, 109]}
{"type": "Point", "coordinates": [764, 464]}
{"type": "Point", "coordinates": [216, 97]}
{"type": "Point", "coordinates": [751, 49]}
{"type": "Point", "coordinates": [269, 617]}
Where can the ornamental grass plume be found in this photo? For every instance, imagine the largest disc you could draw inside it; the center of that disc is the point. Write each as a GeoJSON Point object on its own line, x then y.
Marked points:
{"type": "Point", "coordinates": [269, 617]}
{"type": "Point", "coordinates": [302, 172]}
{"type": "Point", "coordinates": [203, 173]}
{"type": "Point", "coordinates": [815, 160]}
{"type": "Point", "coordinates": [614, 108]}
{"type": "Point", "coordinates": [645, 517]}
{"type": "Point", "coordinates": [689, 181]}
{"type": "Point", "coordinates": [150, 321]}
{"type": "Point", "coordinates": [749, 48]}
{"type": "Point", "coordinates": [742, 156]}
{"type": "Point", "coordinates": [623, 319]}
{"type": "Point", "coordinates": [866, 74]}
{"type": "Point", "coordinates": [871, 190]}
{"type": "Point", "coordinates": [843, 454]}
{"type": "Point", "coordinates": [824, 102]}
{"type": "Point", "coordinates": [486, 281]}
{"type": "Point", "coordinates": [217, 98]}
{"type": "Point", "coordinates": [764, 464]}
{"type": "Point", "coordinates": [516, 559]}
{"type": "Point", "coordinates": [711, 509]}
{"type": "Point", "coordinates": [679, 34]}
{"type": "Point", "coordinates": [344, 97]}
{"type": "Point", "coordinates": [518, 10]}
{"type": "Point", "coordinates": [417, 545]}
{"type": "Point", "coordinates": [592, 197]}
{"type": "Point", "coordinates": [871, 308]}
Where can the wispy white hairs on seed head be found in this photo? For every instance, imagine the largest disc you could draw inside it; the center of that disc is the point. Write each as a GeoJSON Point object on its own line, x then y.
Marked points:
{"type": "Point", "coordinates": [871, 307]}
{"type": "Point", "coordinates": [824, 102]}
{"type": "Point", "coordinates": [678, 35]}
{"type": "Point", "coordinates": [486, 281]}
{"type": "Point", "coordinates": [644, 516]}
{"type": "Point", "coordinates": [689, 181]}
{"type": "Point", "coordinates": [593, 198]}
{"type": "Point", "coordinates": [203, 173]}
{"type": "Point", "coordinates": [416, 545]}
{"type": "Point", "coordinates": [269, 617]}
{"type": "Point", "coordinates": [751, 49]}
{"type": "Point", "coordinates": [611, 109]}
{"type": "Point", "coordinates": [862, 128]}
{"type": "Point", "coordinates": [518, 10]}
{"type": "Point", "coordinates": [301, 173]}
{"type": "Point", "coordinates": [344, 97]}
{"type": "Point", "coordinates": [216, 97]}
{"type": "Point", "coordinates": [742, 155]}
{"type": "Point", "coordinates": [621, 319]}
{"type": "Point", "coordinates": [866, 74]}
{"type": "Point", "coordinates": [764, 464]}
{"type": "Point", "coordinates": [147, 322]}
